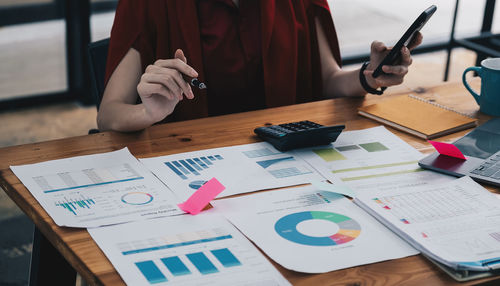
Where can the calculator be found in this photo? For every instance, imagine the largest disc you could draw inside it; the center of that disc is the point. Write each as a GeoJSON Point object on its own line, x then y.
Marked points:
{"type": "Point", "coordinates": [300, 134]}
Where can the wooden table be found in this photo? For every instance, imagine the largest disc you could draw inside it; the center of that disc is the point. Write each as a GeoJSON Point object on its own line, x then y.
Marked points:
{"type": "Point", "coordinates": [88, 260]}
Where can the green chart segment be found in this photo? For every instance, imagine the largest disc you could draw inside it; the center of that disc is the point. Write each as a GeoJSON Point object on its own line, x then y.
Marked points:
{"type": "Point", "coordinates": [286, 227]}
{"type": "Point", "coordinates": [334, 154]}
{"type": "Point", "coordinates": [373, 147]}
{"type": "Point", "coordinates": [329, 154]}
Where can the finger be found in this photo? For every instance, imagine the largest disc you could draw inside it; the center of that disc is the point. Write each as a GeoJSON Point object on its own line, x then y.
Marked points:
{"type": "Point", "coordinates": [184, 86]}
{"type": "Point", "coordinates": [177, 64]}
{"type": "Point", "coordinates": [378, 47]}
{"type": "Point", "coordinates": [186, 89]}
{"type": "Point", "coordinates": [399, 70]}
{"type": "Point", "coordinates": [179, 54]}
{"type": "Point", "coordinates": [146, 89]}
{"type": "Point", "coordinates": [166, 80]}
{"type": "Point", "coordinates": [417, 40]}
{"type": "Point", "coordinates": [405, 58]}
{"type": "Point", "coordinates": [386, 80]}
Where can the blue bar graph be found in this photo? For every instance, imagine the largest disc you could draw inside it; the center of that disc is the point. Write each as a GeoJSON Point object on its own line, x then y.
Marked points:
{"type": "Point", "coordinates": [202, 263]}
{"type": "Point", "coordinates": [178, 165]}
{"type": "Point", "coordinates": [199, 162]}
{"type": "Point", "coordinates": [192, 163]}
{"type": "Point", "coordinates": [192, 166]}
{"type": "Point", "coordinates": [180, 174]}
{"type": "Point", "coordinates": [175, 265]}
{"type": "Point", "coordinates": [204, 159]}
{"type": "Point", "coordinates": [151, 272]}
{"type": "Point", "coordinates": [226, 257]}
{"type": "Point", "coordinates": [185, 164]}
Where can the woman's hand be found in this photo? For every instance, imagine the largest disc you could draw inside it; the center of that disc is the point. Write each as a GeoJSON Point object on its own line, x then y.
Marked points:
{"type": "Point", "coordinates": [162, 86]}
{"type": "Point", "coordinates": [394, 74]}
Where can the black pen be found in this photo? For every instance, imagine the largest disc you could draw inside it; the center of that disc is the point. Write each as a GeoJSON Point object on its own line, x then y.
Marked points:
{"type": "Point", "coordinates": [195, 82]}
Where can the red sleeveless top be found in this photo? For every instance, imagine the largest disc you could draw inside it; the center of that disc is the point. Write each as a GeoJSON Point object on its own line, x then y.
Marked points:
{"type": "Point", "coordinates": [286, 70]}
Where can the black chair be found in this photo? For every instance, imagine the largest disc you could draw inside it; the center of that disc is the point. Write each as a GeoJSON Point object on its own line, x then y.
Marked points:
{"type": "Point", "coordinates": [97, 54]}
{"type": "Point", "coordinates": [486, 44]}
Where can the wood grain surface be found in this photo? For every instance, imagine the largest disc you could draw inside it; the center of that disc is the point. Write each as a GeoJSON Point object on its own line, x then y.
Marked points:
{"type": "Point", "coordinates": [85, 256]}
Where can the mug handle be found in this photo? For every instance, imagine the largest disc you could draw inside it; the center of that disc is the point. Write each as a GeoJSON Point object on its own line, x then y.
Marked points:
{"type": "Point", "coordinates": [464, 80]}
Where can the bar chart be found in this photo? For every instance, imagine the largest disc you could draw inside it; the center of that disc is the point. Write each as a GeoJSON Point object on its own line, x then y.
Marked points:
{"type": "Point", "coordinates": [184, 250]}
{"type": "Point", "coordinates": [180, 265]}
{"type": "Point", "coordinates": [184, 168]}
{"type": "Point", "coordinates": [73, 205]}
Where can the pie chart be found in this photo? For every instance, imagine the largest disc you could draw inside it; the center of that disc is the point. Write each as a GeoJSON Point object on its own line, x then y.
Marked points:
{"type": "Point", "coordinates": [348, 229]}
{"type": "Point", "coordinates": [195, 185]}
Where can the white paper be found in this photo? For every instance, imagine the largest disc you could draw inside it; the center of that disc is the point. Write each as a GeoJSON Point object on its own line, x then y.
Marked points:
{"type": "Point", "coordinates": [97, 190]}
{"type": "Point", "coordinates": [185, 250]}
{"type": "Point", "coordinates": [314, 231]}
{"type": "Point", "coordinates": [370, 159]}
{"type": "Point", "coordinates": [241, 169]}
{"type": "Point", "coordinates": [456, 223]}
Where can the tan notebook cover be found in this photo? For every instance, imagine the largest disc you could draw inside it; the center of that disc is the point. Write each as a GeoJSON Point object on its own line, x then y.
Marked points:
{"type": "Point", "coordinates": [417, 116]}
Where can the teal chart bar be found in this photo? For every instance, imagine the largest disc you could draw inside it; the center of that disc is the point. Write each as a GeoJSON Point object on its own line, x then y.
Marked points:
{"type": "Point", "coordinates": [151, 272]}
{"type": "Point", "coordinates": [202, 263]}
{"type": "Point", "coordinates": [73, 205]}
{"type": "Point", "coordinates": [175, 265]}
{"type": "Point", "coordinates": [226, 257]}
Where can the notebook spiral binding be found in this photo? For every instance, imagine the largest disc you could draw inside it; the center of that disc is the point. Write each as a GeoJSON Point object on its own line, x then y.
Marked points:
{"type": "Point", "coordinates": [438, 105]}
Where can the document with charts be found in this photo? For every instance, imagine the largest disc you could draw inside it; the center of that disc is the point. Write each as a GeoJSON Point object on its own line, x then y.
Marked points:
{"type": "Point", "coordinates": [310, 230]}
{"type": "Point", "coordinates": [241, 169]}
{"type": "Point", "coordinates": [456, 223]}
{"type": "Point", "coordinates": [368, 159]}
{"type": "Point", "coordinates": [184, 250]}
{"type": "Point", "coordinates": [98, 189]}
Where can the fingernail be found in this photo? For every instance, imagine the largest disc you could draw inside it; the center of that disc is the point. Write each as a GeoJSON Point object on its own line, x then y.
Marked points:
{"type": "Point", "coordinates": [194, 73]}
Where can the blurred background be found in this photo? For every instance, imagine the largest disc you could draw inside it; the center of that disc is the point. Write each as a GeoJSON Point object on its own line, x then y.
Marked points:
{"type": "Point", "coordinates": [45, 89]}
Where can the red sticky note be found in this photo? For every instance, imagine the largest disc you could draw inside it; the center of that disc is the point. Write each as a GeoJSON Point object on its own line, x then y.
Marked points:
{"type": "Point", "coordinates": [447, 149]}
{"type": "Point", "coordinates": [202, 197]}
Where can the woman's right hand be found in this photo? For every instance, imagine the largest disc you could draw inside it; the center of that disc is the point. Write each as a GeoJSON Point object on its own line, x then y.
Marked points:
{"type": "Point", "coordinates": [162, 86]}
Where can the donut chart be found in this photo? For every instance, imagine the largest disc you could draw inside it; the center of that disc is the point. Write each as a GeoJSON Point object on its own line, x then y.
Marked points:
{"type": "Point", "coordinates": [137, 198]}
{"type": "Point", "coordinates": [286, 227]}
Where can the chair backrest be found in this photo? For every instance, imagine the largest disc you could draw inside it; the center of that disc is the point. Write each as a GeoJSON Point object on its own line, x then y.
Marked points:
{"type": "Point", "coordinates": [98, 54]}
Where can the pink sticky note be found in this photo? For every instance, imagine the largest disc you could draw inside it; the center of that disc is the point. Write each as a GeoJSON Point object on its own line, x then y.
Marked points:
{"type": "Point", "coordinates": [202, 197]}
{"type": "Point", "coordinates": [447, 149]}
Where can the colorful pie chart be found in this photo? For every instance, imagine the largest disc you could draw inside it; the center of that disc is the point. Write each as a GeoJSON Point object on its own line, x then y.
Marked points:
{"type": "Point", "coordinates": [348, 230]}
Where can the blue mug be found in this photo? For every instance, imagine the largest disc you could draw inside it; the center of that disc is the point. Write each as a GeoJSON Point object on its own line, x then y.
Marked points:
{"type": "Point", "coordinates": [489, 99]}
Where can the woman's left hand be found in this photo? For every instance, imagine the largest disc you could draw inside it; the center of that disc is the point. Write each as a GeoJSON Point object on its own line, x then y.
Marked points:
{"type": "Point", "coordinates": [394, 74]}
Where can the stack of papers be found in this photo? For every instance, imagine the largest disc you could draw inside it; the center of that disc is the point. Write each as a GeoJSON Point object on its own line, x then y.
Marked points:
{"type": "Point", "coordinates": [455, 223]}
{"type": "Point", "coordinates": [310, 229]}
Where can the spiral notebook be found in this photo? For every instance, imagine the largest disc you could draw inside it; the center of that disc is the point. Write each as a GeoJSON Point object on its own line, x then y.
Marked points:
{"type": "Point", "coordinates": [417, 116]}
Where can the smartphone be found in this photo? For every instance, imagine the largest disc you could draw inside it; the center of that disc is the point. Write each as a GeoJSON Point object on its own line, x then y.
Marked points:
{"type": "Point", "coordinates": [395, 52]}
